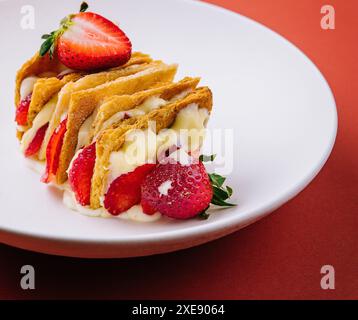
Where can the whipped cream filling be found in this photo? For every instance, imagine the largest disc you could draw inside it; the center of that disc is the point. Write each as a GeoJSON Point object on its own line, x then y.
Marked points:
{"type": "Point", "coordinates": [43, 117]}
{"type": "Point", "coordinates": [28, 83]}
{"type": "Point", "coordinates": [65, 72]}
{"type": "Point", "coordinates": [164, 188]}
{"type": "Point", "coordinates": [141, 147]}
{"type": "Point", "coordinates": [42, 152]}
{"type": "Point", "coordinates": [138, 149]}
{"type": "Point", "coordinates": [27, 86]}
{"type": "Point", "coordinates": [64, 115]}
{"type": "Point", "coordinates": [148, 105]}
{"type": "Point", "coordinates": [145, 146]}
{"type": "Point", "coordinates": [21, 128]}
{"type": "Point", "coordinates": [84, 132]}
{"type": "Point", "coordinates": [135, 213]}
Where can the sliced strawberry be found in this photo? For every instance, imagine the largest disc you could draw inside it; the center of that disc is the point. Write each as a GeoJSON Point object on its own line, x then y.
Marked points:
{"type": "Point", "coordinates": [147, 208]}
{"type": "Point", "coordinates": [53, 151]}
{"type": "Point", "coordinates": [93, 42]}
{"type": "Point", "coordinates": [88, 41]}
{"type": "Point", "coordinates": [22, 110]}
{"type": "Point", "coordinates": [36, 142]}
{"type": "Point", "coordinates": [81, 172]}
{"type": "Point", "coordinates": [124, 192]}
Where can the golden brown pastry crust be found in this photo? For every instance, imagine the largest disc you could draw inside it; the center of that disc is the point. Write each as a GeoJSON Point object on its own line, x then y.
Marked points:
{"type": "Point", "coordinates": [44, 90]}
{"type": "Point", "coordinates": [37, 65]}
{"type": "Point", "coordinates": [126, 102]}
{"type": "Point", "coordinates": [83, 104]}
{"type": "Point", "coordinates": [34, 66]}
{"type": "Point", "coordinates": [138, 62]}
{"type": "Point", "coordinates": [112, 139]}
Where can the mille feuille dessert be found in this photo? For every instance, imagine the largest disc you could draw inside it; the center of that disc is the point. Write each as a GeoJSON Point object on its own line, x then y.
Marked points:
{"type": "Point", "coordinates": [112, 128]}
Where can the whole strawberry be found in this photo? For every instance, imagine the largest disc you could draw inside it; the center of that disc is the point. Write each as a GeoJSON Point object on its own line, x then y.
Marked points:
{"type": "Point", "coordinates": [177, 191]}
{"type": "Point", "coordinates": [88, 41]}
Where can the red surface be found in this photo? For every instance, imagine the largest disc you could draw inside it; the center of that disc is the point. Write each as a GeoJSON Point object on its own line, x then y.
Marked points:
{"type": "Point", "coordinates": [277, 258]}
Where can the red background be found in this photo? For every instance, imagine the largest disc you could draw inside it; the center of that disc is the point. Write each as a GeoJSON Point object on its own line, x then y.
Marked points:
{"type": "Point", "coordinates": [279, 257]}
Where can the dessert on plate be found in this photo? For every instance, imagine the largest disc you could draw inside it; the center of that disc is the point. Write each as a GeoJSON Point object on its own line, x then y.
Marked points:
{"type": "Point", "coordinates": [112, 128]}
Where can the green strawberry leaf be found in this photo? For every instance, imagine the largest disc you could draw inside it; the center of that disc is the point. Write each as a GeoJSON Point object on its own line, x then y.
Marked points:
{"type": "Point", "coordinates": [220, 193]}
{"type": "Point", "coordinates": [45, 36]}
{"type": "Point", "coordinates": [46, 46]}
{"type": "Point", "coordinates": [204, 158]}
{"type": "Point", "coordinates": [216, 179]}
{"type": "Point", "coordinates": [221, 203]}
{"type": "Point", "coordinates": [229, 191]}
{"type": "Point", "coordinates": [84, 7]}
{"type": "Point", "coordinates": [49, 45]}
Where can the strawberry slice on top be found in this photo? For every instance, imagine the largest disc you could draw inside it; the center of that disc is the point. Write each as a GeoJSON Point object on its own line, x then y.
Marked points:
{"type": "Point", "coordinates": [53, 151]}
{"type": "Point", "coordinates": [88, 41]}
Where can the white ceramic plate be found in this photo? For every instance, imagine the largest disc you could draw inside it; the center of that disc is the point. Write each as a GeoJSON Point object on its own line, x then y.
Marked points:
{"type": "Point", "coordinates": [279, 105]}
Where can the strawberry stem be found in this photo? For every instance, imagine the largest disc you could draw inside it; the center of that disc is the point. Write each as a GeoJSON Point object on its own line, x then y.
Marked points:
{"type": "Point", "coordinates": [49, 45]}
{"type": "Point", "coordinates": [84, 7]}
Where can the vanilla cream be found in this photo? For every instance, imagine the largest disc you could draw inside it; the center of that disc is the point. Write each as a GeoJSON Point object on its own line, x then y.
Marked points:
{"type": "Point", "coordinates": [148, 105]}
{"type": "Point", "coordinates": [65, 72]}
{"type": "Point", "coordinates": [27, 86]}
{"type": "Point", "coordinates": [40, 120]}
{"type": "Point", "coordinates": [144, 146]}
{"type": "Point", "coordinates": [135, 213]}
{"type": "Point", "coordinates": [164, 188]}
{"type": "Point", "coordinates": [139, 148]}
{"type": "Point", "coordinates": [84, 132]}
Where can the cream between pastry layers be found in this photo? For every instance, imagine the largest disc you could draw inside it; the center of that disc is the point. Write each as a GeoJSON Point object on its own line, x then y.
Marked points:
{"type": "Point", "coordinates": [44, 85]}
{"type": "Point", "coordinates": [120, 137]}
{"type": "Point", "coordinates": [69, 111]}
{"type": "Point", "coordinates": [121, 150]}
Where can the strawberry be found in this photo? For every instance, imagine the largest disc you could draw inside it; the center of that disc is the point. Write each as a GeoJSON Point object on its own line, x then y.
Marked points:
{"type": "Point", "coordinates": [147, 209]}
{"type": "Point", "coordinates": [53, 151]}
{"type": "Point", "coordinates": [36, 142]}
{"type": "Point", "coordinates": [81, 172]}
{"type": "Point", "coordinates": [88, 41]}
{"type": "Point", "coordinates": [124, 192]}
{"type": "Point", "coordinates": [22, 110]}
{"type": "Point", "coordinates": [177, 191]}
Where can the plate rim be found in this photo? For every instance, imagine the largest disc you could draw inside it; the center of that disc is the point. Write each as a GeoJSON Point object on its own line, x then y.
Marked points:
{"type": "Point", "coordinates": [233, 222]}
